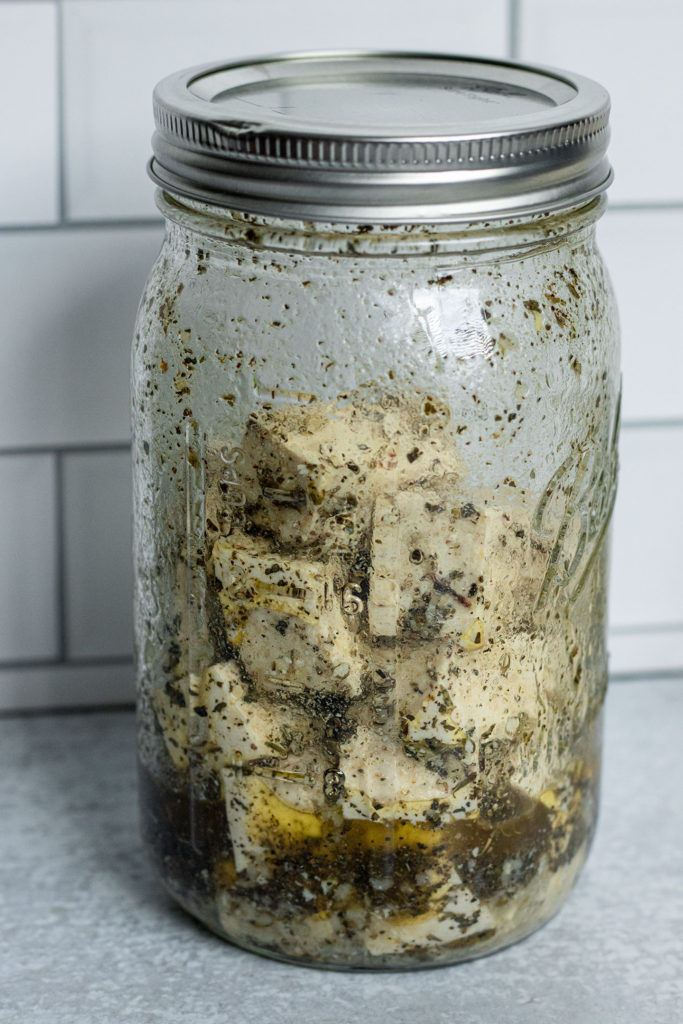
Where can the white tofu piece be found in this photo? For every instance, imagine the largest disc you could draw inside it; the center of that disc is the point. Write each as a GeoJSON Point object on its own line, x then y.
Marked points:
{"type": "Point", "coordinates": [306, 471]}
{"type": "Point", "coordinates": [512, 566]}
{"type": "Point", "coordinates": [281, 796]}
{"type": "Point", "coordinates": [311, 473]}
{"type": "Point", "coordinates": [382, 783]}
{"type": "Point", "coordinates": [284, 615]}
{"type": "Point", "coordinates": [241, 733]}
{"type": "Point", "coordinates": [388, 569]}
{"type": "Point", "coordinates": [172, 707]}
{"type": "Point", "coordinates": [238, 730]}
{"type": "Point", "coordinates": [290, 656]}
{"type": "Point", "coordinates": [261, 821]}
{"type": "Point", "coordinates": [498, 700]}
{"type": "Point", "coordinates": [446, 566]}
{"type": "Point", "coordinates": [254, 576]}
{"type": "Point", "coordinates": [457, 915]}
{"type": "Point", "coordinates": [428, 556]}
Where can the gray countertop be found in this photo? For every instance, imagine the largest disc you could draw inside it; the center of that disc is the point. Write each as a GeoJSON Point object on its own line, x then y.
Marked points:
{"type": "Point", "coordinates": [88, 935]}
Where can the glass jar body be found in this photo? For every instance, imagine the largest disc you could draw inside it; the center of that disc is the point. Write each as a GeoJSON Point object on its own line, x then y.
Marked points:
{"type": "Point", "coordinates": [374, 470]}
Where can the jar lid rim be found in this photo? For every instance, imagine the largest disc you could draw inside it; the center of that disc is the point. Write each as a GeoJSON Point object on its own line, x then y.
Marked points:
{"type": "Point", "coordinates": [388, 136]}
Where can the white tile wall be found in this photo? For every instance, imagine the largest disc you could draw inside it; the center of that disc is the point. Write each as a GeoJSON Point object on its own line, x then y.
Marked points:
{"type": "Point", "coordinates": [68, 301]}
{"type": "Point", "coordinates": [29, 627]}
{"type": "Point", "coordinates": [97, 554]}
{"type": "Point", "coordinates": [29, 189]}
{"type": "Point", "coordinates": [647, 547]}
{"type": "Point", "coordinates": [643, 251]}
{"type": "Point", "coordinates": [116, 50]}
{"type": "Point", "coordinates": [643, 652]}
{"type": "Point", "coordinates": [634, 48]}
{"type": "Point", "coordinates": [68, 293]}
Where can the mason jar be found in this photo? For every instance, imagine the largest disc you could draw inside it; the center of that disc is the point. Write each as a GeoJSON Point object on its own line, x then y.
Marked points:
{"type": "Point", "coordinates": [375, 404]}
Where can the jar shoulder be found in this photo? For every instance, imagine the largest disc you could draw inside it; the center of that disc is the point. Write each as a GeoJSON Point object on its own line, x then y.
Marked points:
{"type": "Point", "coordinates": [198, 285]}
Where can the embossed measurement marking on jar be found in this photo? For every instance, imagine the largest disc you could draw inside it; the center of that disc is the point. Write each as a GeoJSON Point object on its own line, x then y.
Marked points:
{"type": "Point", "coordinates": [230, 485]}
{"type": "Point", "coordinates": [352, 602]}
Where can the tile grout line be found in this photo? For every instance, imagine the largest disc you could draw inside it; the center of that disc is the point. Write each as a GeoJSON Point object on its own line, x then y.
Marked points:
{"type": "Point", "coordinates": [60, 560]}
{"type": "Point", "coordinates": [663, 424]}
{"type": "Point", "coordinates": [650, 675]}
{"type": "Point", "coordinates": [103, 661]}
{"type": "Point", "coordinates": [644, 205]}
{"type": "Point", "coordinates": [111, 707]}
{"type": "Point", "coordinates": [647, 628]}
{"type": "Point", "coordinates": [83, 448]}
{"type": "Point", "coordinates": [124, 660]}
{"type": "Point", "coordinates": [514, 17]}
{"type": "Point", "coordinates": [74, 224]}
{"type": "Point", "coordinates": [114, 447]}
{"type": "Point", "coordinates": [61, 106]}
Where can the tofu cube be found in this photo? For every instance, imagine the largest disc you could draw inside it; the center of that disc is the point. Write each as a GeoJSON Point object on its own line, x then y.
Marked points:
{"type": "Point", "coordinates": [284, 616]}
{"type": "Point", "coordinates": [428, 556]}
{"type": "Point", "coordinates": [311, 473]}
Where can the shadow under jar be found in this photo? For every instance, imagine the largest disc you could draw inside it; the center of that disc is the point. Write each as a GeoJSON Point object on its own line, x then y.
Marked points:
{"type": "Point", "coordinates": [375, 403]}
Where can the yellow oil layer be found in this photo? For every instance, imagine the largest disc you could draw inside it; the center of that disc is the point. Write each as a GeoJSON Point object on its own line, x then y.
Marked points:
{"type": "Point", "coordinates": [270, 814]}
{"type": "Point", "coordinates": [274, 819]}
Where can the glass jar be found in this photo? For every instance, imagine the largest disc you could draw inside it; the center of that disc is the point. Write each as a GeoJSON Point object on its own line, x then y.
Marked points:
{"type": "Point", "coordinates": [375, 461]}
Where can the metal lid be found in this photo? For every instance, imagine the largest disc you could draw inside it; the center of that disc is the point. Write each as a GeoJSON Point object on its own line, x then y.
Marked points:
{"type": "Point", "coordinates": [386, 137]}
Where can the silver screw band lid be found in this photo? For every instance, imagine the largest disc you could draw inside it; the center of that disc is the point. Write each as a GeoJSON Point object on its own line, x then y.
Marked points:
{"type": "Point", "coordinates": [381, 137]}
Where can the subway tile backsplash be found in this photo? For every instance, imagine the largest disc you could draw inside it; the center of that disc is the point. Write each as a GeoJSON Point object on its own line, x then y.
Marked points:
{"type": "Point", "coordinates": [68, 301]}
{"type": "Point", "coordinates": [108, 113]}
{"type": "Point", "coordinates": [643, 252]}
{"type": "Point", "coordinates": [633, 47]}
{"type": "Point", "coordinates": [93, 684]}
{"type": "Point", "coordinates": [29, 165]}
{"type": "Point", "coordinates": [98, 572]}
{"type": "Point", "coordinates": [647, 552]}
{"type": "Point", "coordinates": [77, 239]}
{"type": "Point", "coordinates": [29, 614]}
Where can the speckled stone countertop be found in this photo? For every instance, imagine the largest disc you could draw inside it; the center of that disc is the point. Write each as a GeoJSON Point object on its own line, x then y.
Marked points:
{"type": "Point", "coordinates": [88, 935]}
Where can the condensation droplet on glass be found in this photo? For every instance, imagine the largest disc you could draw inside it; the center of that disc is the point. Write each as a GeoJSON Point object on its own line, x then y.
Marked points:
{"type": "Point", "coordinates": [381, 714]}
{"type": "Point", "coordinates": [512, 725]}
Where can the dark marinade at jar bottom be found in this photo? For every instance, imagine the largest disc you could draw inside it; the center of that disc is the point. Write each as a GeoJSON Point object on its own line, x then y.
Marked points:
{"type": "Point", "coordinates": [187, 832]}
